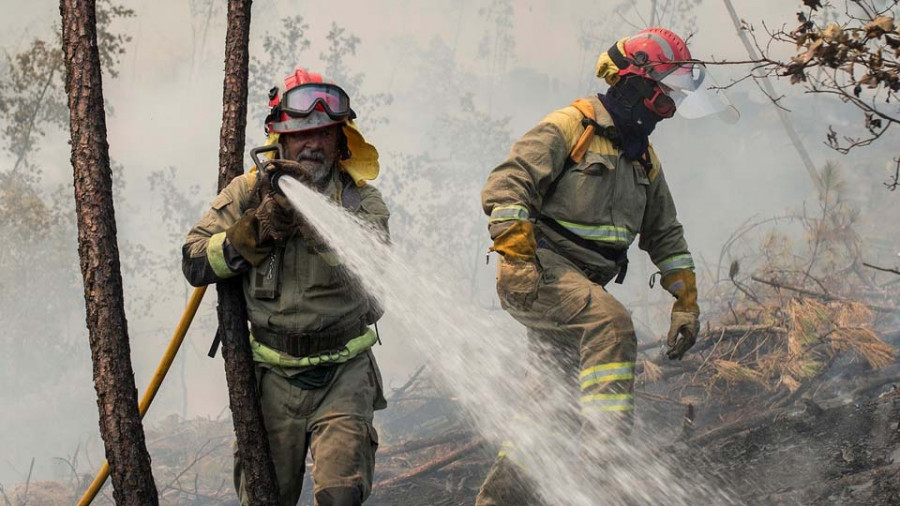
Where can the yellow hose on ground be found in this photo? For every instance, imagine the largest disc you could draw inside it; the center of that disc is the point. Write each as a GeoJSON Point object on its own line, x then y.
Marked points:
{"type": "Point", "coordinates": [164, 364]}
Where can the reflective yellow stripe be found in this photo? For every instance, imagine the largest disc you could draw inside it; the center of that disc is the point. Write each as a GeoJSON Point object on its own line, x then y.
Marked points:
{"type": "Point", "coordinates": [587, 409]}
{"type": "Point", "coordinates": [216, 256]}
{"type": "Point", "coordinates": [608, 402]}
{"type": "Point", "coordinates": [676, 263]}
{"type": "Point", "coordinates": [606, 372]}
{"type": "Point", "coordinates": [600, 233]}
{"type": "Point", "coordinates": [509, 213]}
{"type": "Point", "coordinates": [604, 379]}
{"type": "Point", "coordinates": [604, 367]}
{"type": "Point", "coordinates": [505, 449]}
{"type": "Point", "coordinates": [265, 355]}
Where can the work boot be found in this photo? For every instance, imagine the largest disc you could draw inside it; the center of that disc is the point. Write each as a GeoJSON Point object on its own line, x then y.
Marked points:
{"type": "Point", "coordinates": [507, 485]}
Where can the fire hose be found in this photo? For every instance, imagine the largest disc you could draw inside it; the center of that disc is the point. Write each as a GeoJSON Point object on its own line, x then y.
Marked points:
{"type": "Point", "coordinates": [155, 382]}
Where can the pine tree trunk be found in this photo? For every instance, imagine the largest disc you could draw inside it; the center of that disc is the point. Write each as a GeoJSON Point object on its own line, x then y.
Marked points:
{"type": "Point", "coordinates": [120, 423]}
{"type": "Point", "coordinates": [252, 441]}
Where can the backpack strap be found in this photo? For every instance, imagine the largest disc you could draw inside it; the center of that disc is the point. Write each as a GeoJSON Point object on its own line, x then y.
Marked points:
{"type": "Point", "coordinates": [587, 109]}
{"type": "Point", "coordinates": [591, 128]}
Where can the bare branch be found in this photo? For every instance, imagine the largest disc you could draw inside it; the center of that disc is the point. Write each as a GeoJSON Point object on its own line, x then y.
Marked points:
{"type": "Point", "coordinates": [882, 269]}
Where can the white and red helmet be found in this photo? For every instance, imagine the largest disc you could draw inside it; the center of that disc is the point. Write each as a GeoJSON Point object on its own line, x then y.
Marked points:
{"type": "Point", "coordinates": [307, 103]}
{"type": "Point", "coordinates": [662, 56]}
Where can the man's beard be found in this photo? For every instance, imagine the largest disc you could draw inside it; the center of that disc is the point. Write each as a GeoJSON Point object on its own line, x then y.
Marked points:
{"type": "Point", "coordinates": [318, 166]}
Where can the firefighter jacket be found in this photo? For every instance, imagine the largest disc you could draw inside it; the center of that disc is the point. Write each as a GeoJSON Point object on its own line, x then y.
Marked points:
{"type": "Point", "coordinates": [604, 199]}
{"type": "Point", "coordinates": [299, 288]}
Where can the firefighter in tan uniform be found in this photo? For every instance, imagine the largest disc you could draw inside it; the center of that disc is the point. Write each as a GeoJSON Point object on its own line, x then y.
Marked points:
{"type": "Point", "coordinates": [310, 336]}
{"type": "Point", "coordinates": [574, 193]}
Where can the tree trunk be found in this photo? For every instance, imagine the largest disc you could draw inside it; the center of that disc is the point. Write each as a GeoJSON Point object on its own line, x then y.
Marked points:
{"type": "Point", "coordinates": [252, 440]}
{"type": "Point", "coordinates": [782, 114]}
{"type": "Point", "coordinates": [120, 423]}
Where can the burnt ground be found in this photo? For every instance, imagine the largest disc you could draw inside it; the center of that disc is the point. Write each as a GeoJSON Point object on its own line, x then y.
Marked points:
{"type": "Point", "coordinates": [848, 454]}
{"type": "Point", "coordinates": [845, 450]}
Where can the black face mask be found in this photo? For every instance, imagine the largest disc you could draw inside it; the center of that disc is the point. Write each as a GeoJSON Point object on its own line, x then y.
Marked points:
{"type": "Point", "coordinates": [627, 102]}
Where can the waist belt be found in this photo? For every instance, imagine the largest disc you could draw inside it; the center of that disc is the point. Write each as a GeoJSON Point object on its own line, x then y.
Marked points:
{"type": "Point", "coordinates": [306, 344]}
{"type": "Point", "coordinates": [616, 256]}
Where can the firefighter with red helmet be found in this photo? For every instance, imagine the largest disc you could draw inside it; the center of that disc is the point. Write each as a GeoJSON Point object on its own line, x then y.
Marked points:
{"type": "Point", "coordinates": [309, 319]}
{"type": "Point", "coordinates": [574, 193]}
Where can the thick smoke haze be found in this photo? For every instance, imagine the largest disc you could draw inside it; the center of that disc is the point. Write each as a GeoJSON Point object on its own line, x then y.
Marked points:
{"type": "Point", "coordinates": [465, 79]}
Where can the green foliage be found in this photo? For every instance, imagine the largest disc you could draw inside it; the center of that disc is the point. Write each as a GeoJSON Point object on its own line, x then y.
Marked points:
{"type": "Point", "coordinates": [498, 44]}
{"type": "Point", "coordinates": [281, 52]}
{"type": "Point", "coordinates": [40, 279]}
{"type": "Point", "coordinates": [285, 50]}
{"type": "Point", "coordinates": [341, 46]}
{"type": "Point", "coordinates": [434, 193]}
{"type": "Point", "coordinates": [42, 299]}
{"type": "Point", "coordinates": [32, 94]}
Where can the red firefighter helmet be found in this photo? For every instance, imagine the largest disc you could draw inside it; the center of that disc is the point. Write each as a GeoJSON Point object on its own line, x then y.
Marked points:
{"type": "Point", "coordinates": [662, 56]}
{"type": "Point", "coordinates": [307, 103]}
{"type": "Point", "coordinates": [653, 53]}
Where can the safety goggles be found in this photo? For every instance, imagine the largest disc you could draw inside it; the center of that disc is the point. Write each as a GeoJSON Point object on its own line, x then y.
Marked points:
{"type": "Point", "coordinates": [302, 100]}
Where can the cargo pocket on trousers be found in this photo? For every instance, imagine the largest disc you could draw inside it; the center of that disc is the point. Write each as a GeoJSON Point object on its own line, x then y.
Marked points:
{"type": "Point", "coordinates": [563, 293]}
{"type": "Point", "coordinates": [373, 436]}
{"type": "Point", "coordinates": [375, 380]}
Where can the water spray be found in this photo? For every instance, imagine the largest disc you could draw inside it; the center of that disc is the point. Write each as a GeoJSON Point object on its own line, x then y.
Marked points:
{"type": "Point", "coordinates": [481, 357]}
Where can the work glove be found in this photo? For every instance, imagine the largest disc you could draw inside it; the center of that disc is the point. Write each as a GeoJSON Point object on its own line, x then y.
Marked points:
{"type": "Point", "coordinates": [289, 168]}
{"type": "Point", "coordinates": [247, 238]}
{"type": "Point", "coordinates": [517, 271]}
{"type": "Point", "coordinates": [277, 216]}
{"type": "Point", "coordinates": [685, 324]}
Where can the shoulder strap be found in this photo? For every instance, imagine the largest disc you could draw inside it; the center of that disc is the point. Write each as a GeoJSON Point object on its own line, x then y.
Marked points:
{"type": "Point", "coordinates": [587, 109]}
{"type": "Point", "coordinates": [591, 128]}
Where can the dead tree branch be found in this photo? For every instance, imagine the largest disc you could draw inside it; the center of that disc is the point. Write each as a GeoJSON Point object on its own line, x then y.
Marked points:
{"type": "Point", "coordinates": [433, 465]}
{"type": "Point", "coordinates": [882, 269]}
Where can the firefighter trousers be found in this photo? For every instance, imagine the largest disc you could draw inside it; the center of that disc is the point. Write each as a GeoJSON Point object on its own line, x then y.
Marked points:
{"type": "Point", "coordinates": [333, 423]}
{"type": "Point", "coordinates": [589, 337]}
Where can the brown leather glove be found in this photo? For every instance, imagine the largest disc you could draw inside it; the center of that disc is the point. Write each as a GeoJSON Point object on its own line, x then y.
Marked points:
{"type": "Point", "coordinates": [685, 324]}
{"type": "Point", "coordinates": [247, 238]}
{"type": "Point", "coordinates": [289, 168]}
{"type": "Point", "coordinates": [278, 218]}
{"type": "Point", "coordinates": [517, 271]}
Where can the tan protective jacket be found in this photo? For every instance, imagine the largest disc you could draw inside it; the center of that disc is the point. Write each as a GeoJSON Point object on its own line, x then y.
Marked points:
{"type": "Point", "coordinates": [604, 198]}
{"type": "Point", "coordinates": [312, 292]}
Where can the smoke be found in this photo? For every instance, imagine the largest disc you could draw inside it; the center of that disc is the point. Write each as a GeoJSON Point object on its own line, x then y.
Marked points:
{"type": "Point", "coordinates": [465, 82]}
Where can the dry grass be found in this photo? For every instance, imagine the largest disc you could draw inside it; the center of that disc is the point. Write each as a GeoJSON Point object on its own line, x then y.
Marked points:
{"type": "Point", "coordinates": [652, 372]}
{"type": "Point", "coordinates": [816, 288]}
{"type": "Point", "coordinates": [733, 372]}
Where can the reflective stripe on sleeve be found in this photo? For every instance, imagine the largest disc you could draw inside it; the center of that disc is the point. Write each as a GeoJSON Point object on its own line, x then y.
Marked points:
{"type": "Point", "coordinates": [216, 256]}
{"type": "Point", "coordinates": [608, 402]}
{"type": "Point", "coordinates": [606, 372]}
{"type": "Point", "coordinates": [509, 213]}
{"type": "Point", "coordinates": [600, 233]}
{"type": "Point", "coordinates": [676, 263]}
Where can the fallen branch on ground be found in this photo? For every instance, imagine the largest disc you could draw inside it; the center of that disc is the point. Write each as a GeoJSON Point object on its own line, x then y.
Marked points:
{"type": "Point", "coordinates": [419, 444]}
{"type": "Point", "coordinates": [433, 465]}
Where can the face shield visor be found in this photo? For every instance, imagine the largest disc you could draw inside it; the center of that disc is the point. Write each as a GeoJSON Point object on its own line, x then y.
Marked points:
{"type": "Point", "coordinates": [695, 93]}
